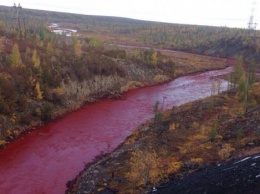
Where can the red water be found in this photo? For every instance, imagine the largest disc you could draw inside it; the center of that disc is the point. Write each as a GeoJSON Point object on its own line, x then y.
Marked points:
{"type": "Point", "coordinates": [44, 160]}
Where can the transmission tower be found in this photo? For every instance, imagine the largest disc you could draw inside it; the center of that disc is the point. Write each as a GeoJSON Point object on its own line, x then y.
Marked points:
{"type": "Point", "coordinates": [18, 18]}
{"type": "Point", "coordinates": [251, 24]}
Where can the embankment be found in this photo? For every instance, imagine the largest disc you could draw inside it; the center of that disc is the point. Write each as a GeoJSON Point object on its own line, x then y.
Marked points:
{"type": "Point", "coordinates": [75, 94]}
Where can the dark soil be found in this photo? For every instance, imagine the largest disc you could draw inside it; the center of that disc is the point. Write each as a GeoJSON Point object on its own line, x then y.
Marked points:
{"type": "Point", "coordinates": [233, 177]}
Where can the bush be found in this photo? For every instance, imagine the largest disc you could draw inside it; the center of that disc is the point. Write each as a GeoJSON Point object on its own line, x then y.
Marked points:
{"type": "Point", "coordinates": [174, 167]}
{"type": "Point", "coordinates": [226, 151]}
{"type": "Point", "coordinates": [26, 118]}
{"type": "Point", "coordinates": [118, 54]}
{"type": "Point", "coordinates": [240, 134]}
{"type": "Point", "coordinates": [213, 132]}
{"type": "Point", "coordinates": [144, 167]}
{"type": "Point", "coordinates": [47, 112]}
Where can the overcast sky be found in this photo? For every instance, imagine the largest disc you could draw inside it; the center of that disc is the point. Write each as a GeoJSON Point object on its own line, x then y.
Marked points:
{"type": "Point", "coordinates": [233, 13]}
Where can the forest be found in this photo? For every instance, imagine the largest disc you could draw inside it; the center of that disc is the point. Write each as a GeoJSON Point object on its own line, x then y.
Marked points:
{"type": "Point", "coordinates": [36, 64]}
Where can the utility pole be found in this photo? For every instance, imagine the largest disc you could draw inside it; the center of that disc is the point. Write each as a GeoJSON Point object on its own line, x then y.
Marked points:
{"type": "Point", "coordinates": [251, 24]}
{"type": "Point", "coordinates": [17, 15]}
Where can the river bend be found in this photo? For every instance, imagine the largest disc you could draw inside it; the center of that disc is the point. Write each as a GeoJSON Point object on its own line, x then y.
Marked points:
{"type": "Point", "coordinates": [44, 160]}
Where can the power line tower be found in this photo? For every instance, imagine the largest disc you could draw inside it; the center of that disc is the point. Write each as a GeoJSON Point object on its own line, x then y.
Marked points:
{"type": "Point", "coordinates": [18, 18]}
{"type": "Point", "coordinates": [251, 24]}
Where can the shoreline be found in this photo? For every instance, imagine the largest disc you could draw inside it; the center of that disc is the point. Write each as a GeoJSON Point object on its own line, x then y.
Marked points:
{"type": "Point", "coordinates": [99, 169]}
{"type": "Point", "coordinates": [61, 113]}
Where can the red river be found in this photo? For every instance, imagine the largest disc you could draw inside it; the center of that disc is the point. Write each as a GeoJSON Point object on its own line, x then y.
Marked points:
{"type": "Point", "coordinates": [44, 160]}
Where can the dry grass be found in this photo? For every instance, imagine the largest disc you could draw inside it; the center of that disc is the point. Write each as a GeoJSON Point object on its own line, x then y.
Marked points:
{"type": "Point", "coordinates": [189, 63]}
{"type": "Point", "coordinates": [186, 63]}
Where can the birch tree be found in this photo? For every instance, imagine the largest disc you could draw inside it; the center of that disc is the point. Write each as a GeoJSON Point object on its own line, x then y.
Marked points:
{"type": "Point", "coordinates": [77, 49]}
{"type": "Point", "coordinates": [15, 56]}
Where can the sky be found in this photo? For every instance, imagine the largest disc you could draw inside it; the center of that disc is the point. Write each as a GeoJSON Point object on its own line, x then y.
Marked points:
{"type": "Point", "coordinates": [231, 13]}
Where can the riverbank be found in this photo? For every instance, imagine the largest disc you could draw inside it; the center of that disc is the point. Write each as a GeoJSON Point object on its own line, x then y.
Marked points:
{"type": "Point", "coordinates": [45, 159]}
{"type": "Point", "coordinates": [185, 139]}
{"type": "Point", "coordinates": [77, 95]}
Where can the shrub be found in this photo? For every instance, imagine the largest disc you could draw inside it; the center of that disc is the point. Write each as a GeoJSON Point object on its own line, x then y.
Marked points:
{"type": "Point", "coordinates": [240, 134]}
{"type": "Point", "coordinates": [213, 132]}
{"type": "Point", "coordinates": [196, 160]}
{"type": "Point", "coordinates": [226, 151]}
{"type": "Point", "coordinates": [2, 142]}
{"type": "Point", "coordinates": [37, 112]}
{"type": "Point", "coordinates": [143, 167]}
{"type": "Point", "coordinates": [174, 167]}
{"type": "Point", "coordinates": [47, 112]}
{"type": "Point", "coordinates": [26, 118]}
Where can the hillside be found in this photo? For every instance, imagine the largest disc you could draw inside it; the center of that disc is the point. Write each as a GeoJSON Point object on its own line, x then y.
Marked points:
{"type": "Point", "coordinates": [45, 75]}
{"type": "Point", "coordinates": [216, 41]}
{"type": "Point", "coordinates": [40, 79]}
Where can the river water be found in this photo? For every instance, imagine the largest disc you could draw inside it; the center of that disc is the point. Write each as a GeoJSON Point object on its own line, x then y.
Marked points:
{"type": "Point", "coordinates": [44, 160]}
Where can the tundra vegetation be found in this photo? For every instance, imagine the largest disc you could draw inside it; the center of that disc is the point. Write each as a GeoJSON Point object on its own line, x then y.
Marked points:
{"type": "Point", "coordinates": [188, 137]}
{"type": "Point", "coordinates": [34, 70]}
{"type": "Point", "coordinates": [35, 64]}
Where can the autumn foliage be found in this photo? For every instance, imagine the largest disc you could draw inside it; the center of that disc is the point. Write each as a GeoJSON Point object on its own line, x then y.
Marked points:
{"type": "Point", "coordinates": [34, 69]}
{"type": "Point", "coordinates": [144, 167]}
